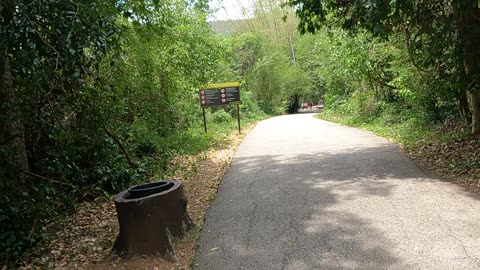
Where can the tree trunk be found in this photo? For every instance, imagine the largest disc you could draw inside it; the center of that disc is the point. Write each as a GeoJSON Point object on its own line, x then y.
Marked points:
{"type": "Point", "coordinates": [293, 106]}
{"type": "Point", "coordinates": [462, 82]}
{"type": "Point", "coordinates": [463, 104]}
{"type": "Point", "coordinates": [476, 111]}
{"type": "Point", "coordinates": [462, 92]}
{"type": "Point", "coordinates": [149, 221]}
{"type": "Point", "coordinates": [466, 14]}
{"type": "Point", "coordinates": [12, 131]}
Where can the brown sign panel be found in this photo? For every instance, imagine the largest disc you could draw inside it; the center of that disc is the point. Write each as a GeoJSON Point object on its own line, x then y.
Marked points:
{"type": "Point", "coordinates": [220, 94]}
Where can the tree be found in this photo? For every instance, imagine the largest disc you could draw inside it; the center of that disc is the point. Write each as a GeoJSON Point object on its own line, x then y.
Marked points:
{"type": "Point", "coordinates": [92, 94]}
{"type": "Point", "coordinates": [49, 54]}
{"type": "Point", "coordinates": [438, 33]}
{"type": "Point", "coordinates": [46, 50]}
{"type": "Point", "coordinates": [266, 56]}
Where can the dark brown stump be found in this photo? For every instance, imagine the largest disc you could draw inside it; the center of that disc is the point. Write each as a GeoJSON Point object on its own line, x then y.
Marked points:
{"type": "Point", "coordinates": [148, 223]}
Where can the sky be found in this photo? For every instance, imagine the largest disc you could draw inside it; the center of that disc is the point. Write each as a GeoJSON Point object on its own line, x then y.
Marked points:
{"type": "Point", "coordinates": [229, 9]}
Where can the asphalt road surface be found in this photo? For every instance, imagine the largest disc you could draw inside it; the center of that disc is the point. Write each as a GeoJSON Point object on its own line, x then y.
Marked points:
{"type": "Point", "coordinates": [302, 193]}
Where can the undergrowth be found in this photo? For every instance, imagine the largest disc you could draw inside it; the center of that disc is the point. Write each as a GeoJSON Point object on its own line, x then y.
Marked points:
{"type": "Point", "coordinates": [30, 220]}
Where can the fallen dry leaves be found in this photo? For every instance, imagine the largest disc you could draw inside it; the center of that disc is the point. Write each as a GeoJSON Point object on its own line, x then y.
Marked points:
{"type": "Point", "coordinates": [451, 152]}
{"type": "Point", "coordinates": [85, 239]}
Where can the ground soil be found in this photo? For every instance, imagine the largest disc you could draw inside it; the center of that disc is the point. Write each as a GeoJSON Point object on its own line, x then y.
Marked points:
{"type": "Point", "coordinates": [85, 239]}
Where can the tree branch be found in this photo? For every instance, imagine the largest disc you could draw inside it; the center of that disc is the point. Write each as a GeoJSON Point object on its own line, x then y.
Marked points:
{"type": "Point", "coordinates": [120, 145]}
{"type": "Point", "coordinates": [48, 179]}
{"type": "Point", "coordinates": [410, 52]}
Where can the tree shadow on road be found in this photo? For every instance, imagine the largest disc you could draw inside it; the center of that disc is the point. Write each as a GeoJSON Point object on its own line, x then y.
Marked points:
{"type": "Point", "coordinates": [291, 207]}
{"type": "Point", "coordinates": [306, 211]}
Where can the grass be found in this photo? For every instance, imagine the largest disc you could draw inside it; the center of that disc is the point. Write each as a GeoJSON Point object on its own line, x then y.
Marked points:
{"type": "Point", "coordinates": [405, 131]}
{"type": "Point", "coordinates": [194, 140]}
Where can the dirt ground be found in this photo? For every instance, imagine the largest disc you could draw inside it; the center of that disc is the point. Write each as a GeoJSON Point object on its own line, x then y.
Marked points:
{"type": "Point", "coordinates": [86, 238]}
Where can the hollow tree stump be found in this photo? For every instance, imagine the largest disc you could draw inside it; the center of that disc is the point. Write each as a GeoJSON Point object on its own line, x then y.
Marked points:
{"type": "Point", "coordinates": [148, 223]}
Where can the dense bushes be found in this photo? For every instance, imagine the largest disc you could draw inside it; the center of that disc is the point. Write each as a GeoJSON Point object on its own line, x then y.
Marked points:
{"type": "Point", "coordinates": [367, 79]}
{"type": "Point", "coordinates": [95, 96]}
{"type": "Point", "coordinates": [436, 38]}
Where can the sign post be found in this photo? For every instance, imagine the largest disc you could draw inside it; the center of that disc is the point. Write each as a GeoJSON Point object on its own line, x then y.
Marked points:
{"type": "Point", "coordinates": [204, 120]}
{"type": "Point", "coordinates": [219, 94]}
{"type": "Point", "coordinates": [238, 118]}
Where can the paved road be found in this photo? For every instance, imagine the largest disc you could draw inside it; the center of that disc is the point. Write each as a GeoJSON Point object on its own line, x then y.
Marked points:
{"type": "Point", "coordinates": [302, 193]}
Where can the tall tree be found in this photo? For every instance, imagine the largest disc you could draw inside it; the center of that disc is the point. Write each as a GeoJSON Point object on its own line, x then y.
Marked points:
{"type": "Point", "coordinates": [45, 50]}
{"type": "Point", "coordinates": [467, 22]}
{"type": "Point", "coordinates": [12, 130]}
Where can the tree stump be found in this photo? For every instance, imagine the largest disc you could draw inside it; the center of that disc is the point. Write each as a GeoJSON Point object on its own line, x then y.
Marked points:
{"type": "Point", "coordinates": [149, 218]}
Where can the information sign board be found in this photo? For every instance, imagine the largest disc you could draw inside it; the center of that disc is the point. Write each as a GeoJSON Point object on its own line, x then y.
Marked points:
{"type": "Point", "coordinates": [219, 94]}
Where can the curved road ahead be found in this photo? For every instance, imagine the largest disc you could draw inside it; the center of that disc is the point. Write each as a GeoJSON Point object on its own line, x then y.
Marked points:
{"type": "Point", "coordinates": [302, 193]}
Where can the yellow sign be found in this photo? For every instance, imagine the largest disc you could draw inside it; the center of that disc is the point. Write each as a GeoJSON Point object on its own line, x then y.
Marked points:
{"type": "Point", "coordinates": [222, 85]}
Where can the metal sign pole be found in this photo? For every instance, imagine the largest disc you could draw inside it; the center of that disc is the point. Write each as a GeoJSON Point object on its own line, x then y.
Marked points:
{"type": "Point", "coordinates": [204, 120]}
{"type": "Point", "coordinates": [238, 118]}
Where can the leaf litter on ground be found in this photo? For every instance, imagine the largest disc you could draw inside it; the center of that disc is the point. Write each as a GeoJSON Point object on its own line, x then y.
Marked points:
{"type": "Point", "coordinates": [85, 239]}
{"type": "Point", "coordinates": [451, 152]}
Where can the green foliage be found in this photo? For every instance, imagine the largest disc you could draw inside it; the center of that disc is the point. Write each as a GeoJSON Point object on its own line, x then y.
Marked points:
{"type": "Point", "coordinates": [52, 55]}
{"type": "Point", "coordinates": [107, 93]}
{"type": "Point", "coordinates": [220, 116]}
{"type": "Point", "coordinates": [248, 48]}
{"type": "Point", "coordinates": [268, 72]}
{"type": "Point", "coordinates": [365, 78]}
{"type": "Point", "coordinates": [438, 38]}
{"type": "Point", "coordinates": [265, 81]}
{"type": "Point", "coordinates": [250, 108]}
{"type": "Point", "coordinates": [262, 52]}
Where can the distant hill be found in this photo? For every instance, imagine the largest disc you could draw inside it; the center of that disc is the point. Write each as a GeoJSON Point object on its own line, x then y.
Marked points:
{"type": "Point", "coordinates": [225, 27]}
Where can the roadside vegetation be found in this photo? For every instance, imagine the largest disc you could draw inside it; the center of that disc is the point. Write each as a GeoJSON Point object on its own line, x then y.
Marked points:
{"type": "Point", "coordinates": [405, 71]}
{"type": "Point", "coordinates": [98, 95]}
